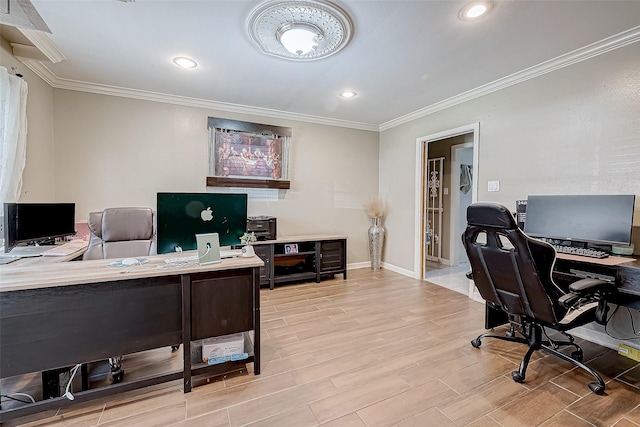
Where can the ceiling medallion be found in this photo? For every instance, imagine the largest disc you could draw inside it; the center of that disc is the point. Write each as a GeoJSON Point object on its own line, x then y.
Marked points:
{"type": "Point", "coordinates": [302, 30]}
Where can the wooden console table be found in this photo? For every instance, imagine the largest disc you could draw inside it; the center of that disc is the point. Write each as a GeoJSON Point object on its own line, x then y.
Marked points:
{"type": "Point", "coordinates": [317, 256]}
{"type": "Point", "coordinates": [56, 315]}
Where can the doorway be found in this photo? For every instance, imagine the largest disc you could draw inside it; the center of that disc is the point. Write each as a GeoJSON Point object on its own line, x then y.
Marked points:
{"type": "Point", "coordinates": [442, 196]}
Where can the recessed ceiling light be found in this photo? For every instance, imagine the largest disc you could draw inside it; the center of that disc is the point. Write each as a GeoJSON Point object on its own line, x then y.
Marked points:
{"type": "Point", "coordinates": [475, 10]}
{"type": "Point", "coordinates": [347, 94]}
{"type": "Point", "coordinates": [184, 62]}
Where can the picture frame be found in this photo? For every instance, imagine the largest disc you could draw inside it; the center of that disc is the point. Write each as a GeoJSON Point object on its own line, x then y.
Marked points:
{"type": "Point", "coordinates": [243, 154]}
{"type": "Point", "coordinates": [291, 248]}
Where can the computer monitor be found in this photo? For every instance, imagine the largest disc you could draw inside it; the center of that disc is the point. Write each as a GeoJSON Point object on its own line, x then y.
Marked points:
{"type": "Point", "coordinates": [37, 223]}
{"type": "Point", "coordinates": [181, 216]}
{"type": "Point", "coordinates": [599, 219]}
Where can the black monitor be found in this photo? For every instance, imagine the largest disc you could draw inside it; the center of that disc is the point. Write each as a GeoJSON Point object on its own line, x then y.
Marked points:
{"type": "Point", "coordinates": [599, 219]}
{"type": "Point", "coordinates": [37, 223]}
{"type": "Point", "coordinates": [183, 215]}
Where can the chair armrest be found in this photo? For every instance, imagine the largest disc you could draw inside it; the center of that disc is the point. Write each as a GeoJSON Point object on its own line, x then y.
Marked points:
{"type": "Point", "coordinates": [568, 300]}
{"type": "Point", "coordinates": [590, 286]}
{"type": "Point", "coordinates": [595, 288]}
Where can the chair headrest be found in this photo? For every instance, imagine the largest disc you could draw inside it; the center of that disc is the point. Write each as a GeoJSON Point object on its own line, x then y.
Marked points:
{"type": "Point", "coordinates": [127, 224]}
{"type": "Point", "coordinates": [490, 214]}
{"type": "Point", "coordinates": [95, 223]}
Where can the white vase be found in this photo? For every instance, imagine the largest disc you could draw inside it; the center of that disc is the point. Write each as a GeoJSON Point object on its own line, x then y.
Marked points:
{"type": "Point", "coordinates": [376, 240]}
{"type": "Point", "coordinates": [247, 251]}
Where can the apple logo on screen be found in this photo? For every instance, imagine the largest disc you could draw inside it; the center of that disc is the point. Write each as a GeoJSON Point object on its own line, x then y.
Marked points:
{"type": "Point", "coordinates": [206, 214]}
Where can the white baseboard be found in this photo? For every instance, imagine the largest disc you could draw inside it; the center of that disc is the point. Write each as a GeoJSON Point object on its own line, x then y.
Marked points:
{"type": "Point", "coordinates": [357, 265]}
{"type": "Point", "coordinates": [399, 270]}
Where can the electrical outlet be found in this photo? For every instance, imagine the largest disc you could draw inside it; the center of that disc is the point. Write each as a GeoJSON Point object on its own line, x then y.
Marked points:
{"type": "Point", "coordinates": [1, 227]}
{"type": "Point", "coordinates": [493, 186]}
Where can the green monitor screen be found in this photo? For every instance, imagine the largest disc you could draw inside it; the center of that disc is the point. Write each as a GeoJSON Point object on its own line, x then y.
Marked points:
{"type": "Point", "coordinates": [183, 215]}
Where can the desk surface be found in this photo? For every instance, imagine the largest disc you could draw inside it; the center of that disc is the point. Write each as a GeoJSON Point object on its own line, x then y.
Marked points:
{"type": "Point", "coordinates": [301, 238]}
{"type": "Point", "coordinates": [46, 259]}
{"type": "Point", "coordinates": [50, 274]}
{"type": "Point", "coordinates": [610, 260]}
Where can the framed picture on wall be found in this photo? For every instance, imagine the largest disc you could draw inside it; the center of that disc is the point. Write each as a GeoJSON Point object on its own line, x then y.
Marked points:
{"type": "Point", "coordinates": [243, 154]}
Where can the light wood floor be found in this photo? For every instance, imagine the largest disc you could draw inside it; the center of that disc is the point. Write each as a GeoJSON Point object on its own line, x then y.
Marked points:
{"type": "Point", "coordinates": [377, 349]}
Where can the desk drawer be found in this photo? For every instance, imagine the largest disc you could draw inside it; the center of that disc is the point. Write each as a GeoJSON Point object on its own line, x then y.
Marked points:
{"type": "Point", "coordinates": [221, 305]}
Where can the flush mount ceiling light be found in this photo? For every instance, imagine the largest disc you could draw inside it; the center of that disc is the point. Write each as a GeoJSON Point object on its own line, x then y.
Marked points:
{"type": "Point", "coordinates": [475, 10]}
{"type": "Point", "coordinates": [184, 62]}
{"type": "Point", "coordinates": [300, 30]}
{"type": "Point", "coordinates": [347, 94]}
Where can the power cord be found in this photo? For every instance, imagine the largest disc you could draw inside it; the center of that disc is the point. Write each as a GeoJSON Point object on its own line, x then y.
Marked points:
{"type": "Point", "coordinates": [67, 393]}
{"type": "Point", "coordinates": [206, 252]}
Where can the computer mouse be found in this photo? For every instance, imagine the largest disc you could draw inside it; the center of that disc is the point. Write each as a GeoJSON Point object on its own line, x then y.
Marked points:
{"type": "Point", "coordinates": [130, 261]}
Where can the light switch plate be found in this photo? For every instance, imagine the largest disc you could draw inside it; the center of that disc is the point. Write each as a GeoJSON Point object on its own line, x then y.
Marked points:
{"type": "Point", "coordinates": [493, 186]}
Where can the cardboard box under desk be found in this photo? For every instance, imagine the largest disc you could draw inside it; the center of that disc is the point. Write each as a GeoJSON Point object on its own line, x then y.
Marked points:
{"type": "Point", "coordinates": [217, 347]}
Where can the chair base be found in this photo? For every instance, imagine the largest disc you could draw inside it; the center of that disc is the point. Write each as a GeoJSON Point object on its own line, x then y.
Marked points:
{"type": "Point", "coordinates": [533, 338]}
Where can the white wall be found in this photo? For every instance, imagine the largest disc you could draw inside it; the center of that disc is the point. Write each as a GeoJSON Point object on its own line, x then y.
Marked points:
{"type": "Point", "coordinates": [573, 131]}
{"type": "Point", "coordinates": [113, 151]}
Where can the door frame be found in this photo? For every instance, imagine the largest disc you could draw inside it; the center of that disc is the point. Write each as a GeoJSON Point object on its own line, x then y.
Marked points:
{"type": "Point", "coordinates": [422, 151]}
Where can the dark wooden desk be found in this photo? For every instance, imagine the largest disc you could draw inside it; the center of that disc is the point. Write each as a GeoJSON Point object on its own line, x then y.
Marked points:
{"type": "Point", "coordinates": [624, 272]}
{"type": "Point", "coordinates": [57, 315]}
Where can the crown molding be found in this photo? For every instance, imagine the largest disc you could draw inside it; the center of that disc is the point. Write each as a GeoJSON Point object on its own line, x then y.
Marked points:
{"type": "Point", "coordinates": [598, 48]}
{"type": "Point", "coordinates": [52, 80]}
{"type": "Point", "coordinates": [57, 83]}
{"type": "Point", "coordinates": [595, 49]}
{"type": "Point", "coordinates": [44, 44]}
{"type": "Point", "coordinates": [40, 69]}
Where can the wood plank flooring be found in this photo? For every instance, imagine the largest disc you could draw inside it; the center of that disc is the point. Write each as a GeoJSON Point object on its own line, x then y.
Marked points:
{"type": "Point", "coordinates": [378, 349]}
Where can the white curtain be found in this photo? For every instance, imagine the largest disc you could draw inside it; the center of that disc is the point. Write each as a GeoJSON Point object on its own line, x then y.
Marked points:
{"type": "Point", "coordinates": [13, 134]}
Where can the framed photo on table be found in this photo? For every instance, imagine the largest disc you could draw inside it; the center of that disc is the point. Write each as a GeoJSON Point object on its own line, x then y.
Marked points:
{"type": "Point", "coordinates": [291, 248]}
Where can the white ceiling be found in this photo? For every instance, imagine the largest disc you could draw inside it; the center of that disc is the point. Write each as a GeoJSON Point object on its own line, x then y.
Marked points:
{"type": "Point", "coordinates": [405, 56]}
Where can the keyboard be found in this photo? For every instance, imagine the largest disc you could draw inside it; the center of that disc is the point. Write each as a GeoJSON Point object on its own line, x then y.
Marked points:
{"type": "Point", "coordinates": [571, 250]}
{"type": "Point", "coordinates": [181, 259]}
{"type": "Point", "coordinates": [66, 248]}
{"type": "Point", "coordinates": [186, 259]}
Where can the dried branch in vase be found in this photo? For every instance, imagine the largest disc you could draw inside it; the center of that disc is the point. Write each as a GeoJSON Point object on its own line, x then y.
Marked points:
{"type": "Point", "coordinates": [374, 207]}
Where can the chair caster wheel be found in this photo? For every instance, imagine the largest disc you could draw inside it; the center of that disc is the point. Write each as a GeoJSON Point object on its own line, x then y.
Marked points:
{"type": "Point", "coordinates": [476, 343]}
{"type": "Point", "coordinates": [596, 388]}
{"type": "Point", "coordinates": [117, 377]}
{"type": "Point", "coordinates": [577, 355]}
{"type": "Point", "coordinates": [517, 377]}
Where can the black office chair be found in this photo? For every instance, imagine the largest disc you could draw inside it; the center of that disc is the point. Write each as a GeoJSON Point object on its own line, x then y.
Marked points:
{"type": "Point", "coordinates": [513, 273]}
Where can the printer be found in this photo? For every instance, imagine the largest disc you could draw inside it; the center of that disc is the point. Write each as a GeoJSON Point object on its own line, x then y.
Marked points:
{"type": "Point", "coordinates": [264, 227]}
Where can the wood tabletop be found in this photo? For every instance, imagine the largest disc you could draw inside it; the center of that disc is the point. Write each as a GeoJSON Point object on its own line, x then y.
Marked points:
{"type": "Point", "coordinates": [49, 274]}
{"type": "Point", "coordinates": [610, 260]}
{"type": "Point", "coordinates": [301, 238]}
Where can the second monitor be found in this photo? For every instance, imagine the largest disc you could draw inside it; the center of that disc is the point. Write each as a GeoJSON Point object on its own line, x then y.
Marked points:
{"type": "Point", "coordinates": [183, 215]}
